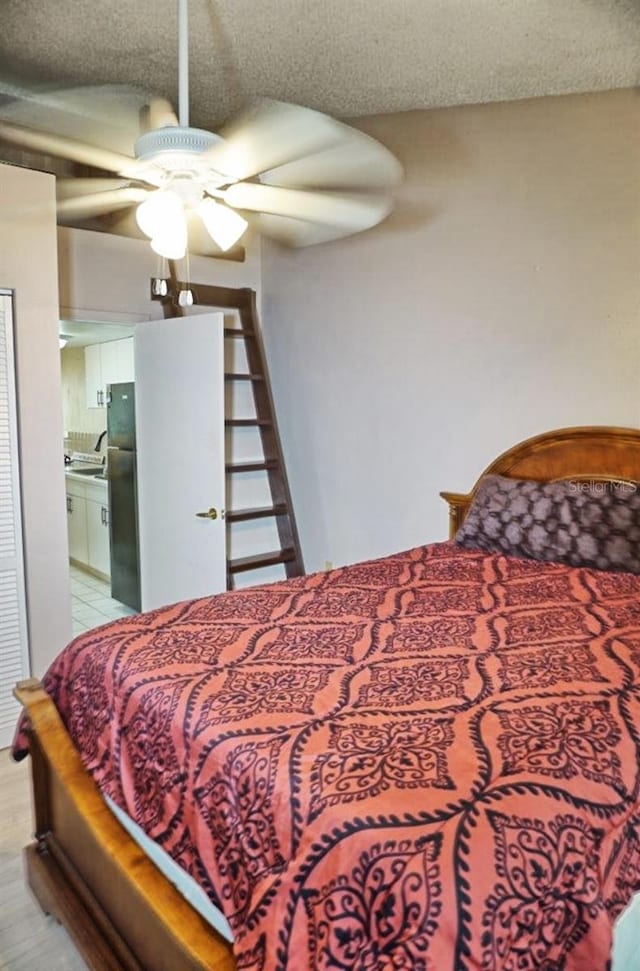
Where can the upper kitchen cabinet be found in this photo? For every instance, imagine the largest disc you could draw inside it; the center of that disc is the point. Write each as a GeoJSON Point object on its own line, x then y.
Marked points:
{"type": "Point", "coordinates": [105, 364]}
{"type": "Point", "coordinates": [93, 375]}
{"type": "Point", "coordinates": [124, 366]}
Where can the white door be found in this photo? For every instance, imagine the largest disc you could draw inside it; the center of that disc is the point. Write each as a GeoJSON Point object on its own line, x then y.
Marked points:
{"type": "Point", "coordinates": [179, 384]}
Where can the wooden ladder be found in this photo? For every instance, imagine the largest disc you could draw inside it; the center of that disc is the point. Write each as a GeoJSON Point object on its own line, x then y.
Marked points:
{"type": "Point", "coordinates": [243, 300]}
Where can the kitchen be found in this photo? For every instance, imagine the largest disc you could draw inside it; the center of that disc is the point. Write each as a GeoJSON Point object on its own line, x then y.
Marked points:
{"type": "Point", "coordinates": [97, 368]}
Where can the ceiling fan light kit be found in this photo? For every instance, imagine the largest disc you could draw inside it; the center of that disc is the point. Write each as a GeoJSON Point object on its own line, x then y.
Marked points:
{"type": "Point", "coordinates": [224, 225]}
{"type": "Point", "coordinates": [298, 176]}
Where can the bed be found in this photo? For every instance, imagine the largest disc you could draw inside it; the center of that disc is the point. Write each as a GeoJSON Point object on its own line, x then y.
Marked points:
{"type": "Point", "coordinates": [373, 777]}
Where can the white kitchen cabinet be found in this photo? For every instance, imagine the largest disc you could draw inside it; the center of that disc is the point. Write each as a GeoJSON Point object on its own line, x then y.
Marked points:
{"type": "Point", "coordinates": [88, 523]}
{"type": "Point", "coordinates": [124, 357]}
{"type": "Point", "coordinates": [98, 536]}
{"type": "Point", "coordinates": [93, 375]}
{"type": "Point", "coordinates": [109, 364]}
{"type": "Point", "coordinates": [77, 528]}
{"type": "Point", "coordinates": [105, 364]}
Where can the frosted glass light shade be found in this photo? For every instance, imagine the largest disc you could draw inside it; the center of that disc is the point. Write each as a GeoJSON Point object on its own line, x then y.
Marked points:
{"type": "Point", "coordinates": [171, 245]}
{"type": "Point", "coordinates": [224, 225]}
{"type": "Point", "coordinates": [159, 213]}
{"type": "Point", "coordinates": [161, 216]}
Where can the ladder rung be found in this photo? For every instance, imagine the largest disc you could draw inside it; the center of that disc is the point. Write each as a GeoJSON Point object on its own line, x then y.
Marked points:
{"type": "Point", "coordinates": [261, 559]}
{"type": "Point", "coordinates": [258, 512]}
{"type": "Point", "coordinates": [245, 422]}
{"type": "Point", "coordinates": [238, 332]}
{"type": "Point", "coordinates": [232, 376]}
{"type": "Point", "coordinates": [261, 466]}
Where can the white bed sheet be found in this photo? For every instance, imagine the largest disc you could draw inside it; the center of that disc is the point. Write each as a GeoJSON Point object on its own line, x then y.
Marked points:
{"type": "Point", "coordinates": [181, 880]}
{"type": "Point", "coordinates": [626, 941]}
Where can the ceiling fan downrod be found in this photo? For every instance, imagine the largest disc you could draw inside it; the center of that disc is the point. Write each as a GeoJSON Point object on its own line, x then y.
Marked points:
{"type": "Point", "coordinates": [183, 63]}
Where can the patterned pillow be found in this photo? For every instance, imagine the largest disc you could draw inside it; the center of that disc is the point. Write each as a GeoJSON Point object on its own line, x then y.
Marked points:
{"type": "Point", "coordinates": [591, 524]}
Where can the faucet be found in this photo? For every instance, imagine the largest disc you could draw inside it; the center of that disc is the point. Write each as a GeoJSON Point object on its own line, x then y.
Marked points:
{"type": "Point", "coordinates": [98, 445]}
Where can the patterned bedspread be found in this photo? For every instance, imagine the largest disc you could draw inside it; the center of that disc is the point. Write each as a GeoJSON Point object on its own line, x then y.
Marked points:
{"type": "Point", "coordinates": [428, 761]}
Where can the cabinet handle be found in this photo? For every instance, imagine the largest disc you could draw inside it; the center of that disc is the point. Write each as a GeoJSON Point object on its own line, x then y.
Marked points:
{"type": "Point", "coordinates": [103, 516]}
{"type": "Point", "coordinates": [69, 504]}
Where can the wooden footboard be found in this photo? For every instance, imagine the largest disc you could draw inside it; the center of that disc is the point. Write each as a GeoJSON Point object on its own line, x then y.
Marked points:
{"type": "Point", "coordinates": [85, 869]}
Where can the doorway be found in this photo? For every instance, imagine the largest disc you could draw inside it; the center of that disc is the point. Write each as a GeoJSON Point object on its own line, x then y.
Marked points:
{"type": "Point", "coordinates": [93, 355]}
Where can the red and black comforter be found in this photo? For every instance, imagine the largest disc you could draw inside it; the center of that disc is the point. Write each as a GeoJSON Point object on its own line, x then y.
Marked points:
{"type": "Point", "coordinates": [428, 761]}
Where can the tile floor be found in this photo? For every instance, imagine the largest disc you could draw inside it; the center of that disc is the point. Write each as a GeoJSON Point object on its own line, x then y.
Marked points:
{"type": "Point", "coordinates": [91, 601]}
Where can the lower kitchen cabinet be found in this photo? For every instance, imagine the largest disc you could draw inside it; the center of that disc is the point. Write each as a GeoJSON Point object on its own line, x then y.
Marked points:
{"type": "Point", "coordinates": [98, 536]}
{"type": "Point", "coordinates": [77, 528]}
{"type": "Point", "coordinates": [88, 524]}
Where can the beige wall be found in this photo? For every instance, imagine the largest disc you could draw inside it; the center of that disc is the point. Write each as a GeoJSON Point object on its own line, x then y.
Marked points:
{"type": "Point", "coordinates": [501, 299]}
{"type": "Point", "coordinates": [105, 277]}
{"type": "Point", "coordinates": [28, 265]}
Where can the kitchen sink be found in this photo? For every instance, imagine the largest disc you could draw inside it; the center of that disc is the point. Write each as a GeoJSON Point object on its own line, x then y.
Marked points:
{"type": "Point", "coordinates": [92, 470]}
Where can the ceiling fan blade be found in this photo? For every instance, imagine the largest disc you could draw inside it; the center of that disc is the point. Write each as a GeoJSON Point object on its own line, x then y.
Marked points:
{"type": "Point", "coordinates": [72, 188]}
{"type": "Point", "coordinates": [351, 212]}
{"type": "Point", "coordinates": [104, 115]}
{"type": "Point", "coordinates": [100, 158]}
{"type": "Point", "coordinates": [295, 232]}
{"type": "Point", "coordinates": [158, 113]}
{"type": "Point", "coordinates": [268, 135]}
{"type": "Point", "coordinates": [97, 203]}
{"type": "Point", "coordinates": [356, 162]}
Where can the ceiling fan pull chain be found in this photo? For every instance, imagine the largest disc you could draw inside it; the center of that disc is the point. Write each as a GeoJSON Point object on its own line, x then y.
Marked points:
{"type": "Point", "coordinates": [183, 63]}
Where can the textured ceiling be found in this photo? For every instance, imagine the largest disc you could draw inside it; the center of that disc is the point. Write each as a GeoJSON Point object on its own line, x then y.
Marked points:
{"type": "Point", "coordinates": [345, 57]}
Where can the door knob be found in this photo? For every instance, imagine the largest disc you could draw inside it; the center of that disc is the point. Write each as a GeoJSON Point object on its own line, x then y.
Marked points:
{"type": "Point", "coordinates": [211, 514]}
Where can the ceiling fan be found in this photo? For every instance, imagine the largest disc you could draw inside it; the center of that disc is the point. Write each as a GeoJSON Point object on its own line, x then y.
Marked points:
{"type": "Point", "coordinates": [296, 174]}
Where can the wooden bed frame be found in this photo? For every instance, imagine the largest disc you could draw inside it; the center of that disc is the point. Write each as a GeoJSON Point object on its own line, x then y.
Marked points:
{"type": "Point", "coordinates": [85, 869]}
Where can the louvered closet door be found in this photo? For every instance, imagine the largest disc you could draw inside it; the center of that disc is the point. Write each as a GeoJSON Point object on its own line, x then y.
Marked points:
{"type": "Point", "coordinates": [14, 655]}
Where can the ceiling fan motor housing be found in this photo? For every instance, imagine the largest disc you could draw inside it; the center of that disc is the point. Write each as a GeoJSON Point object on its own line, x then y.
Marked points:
{"type": "Point", "coordinates": [174, 138]}
{"type": "Point", "coordinates": [179, 151]}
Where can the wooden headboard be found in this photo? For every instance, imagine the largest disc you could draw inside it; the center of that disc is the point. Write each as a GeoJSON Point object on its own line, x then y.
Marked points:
{"type": "Point", "coordinates": [595, 453]}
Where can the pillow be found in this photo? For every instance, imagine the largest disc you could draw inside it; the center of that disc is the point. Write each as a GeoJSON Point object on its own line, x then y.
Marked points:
{"type": "Point", "coordinates": [591, 524]}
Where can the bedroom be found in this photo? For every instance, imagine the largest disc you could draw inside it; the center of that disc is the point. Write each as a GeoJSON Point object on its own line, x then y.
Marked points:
{"type": "Point", "coordinates": [454, 303]}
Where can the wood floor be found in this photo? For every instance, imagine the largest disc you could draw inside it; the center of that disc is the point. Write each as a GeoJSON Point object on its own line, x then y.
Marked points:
{"type": "Point", "coordinates": [29, 941]}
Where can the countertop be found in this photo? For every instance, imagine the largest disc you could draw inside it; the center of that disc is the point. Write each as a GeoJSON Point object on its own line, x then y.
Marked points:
{"type": "Point", "coordinates": [90, 479]}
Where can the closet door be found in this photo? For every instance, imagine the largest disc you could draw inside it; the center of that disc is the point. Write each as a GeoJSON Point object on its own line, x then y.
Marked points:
{"type": "Point", "coordinates": [14, 653]}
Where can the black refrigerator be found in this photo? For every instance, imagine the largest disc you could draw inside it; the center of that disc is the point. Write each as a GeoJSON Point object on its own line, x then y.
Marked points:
{"type": "Point", "coordinates": [123, 494]}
